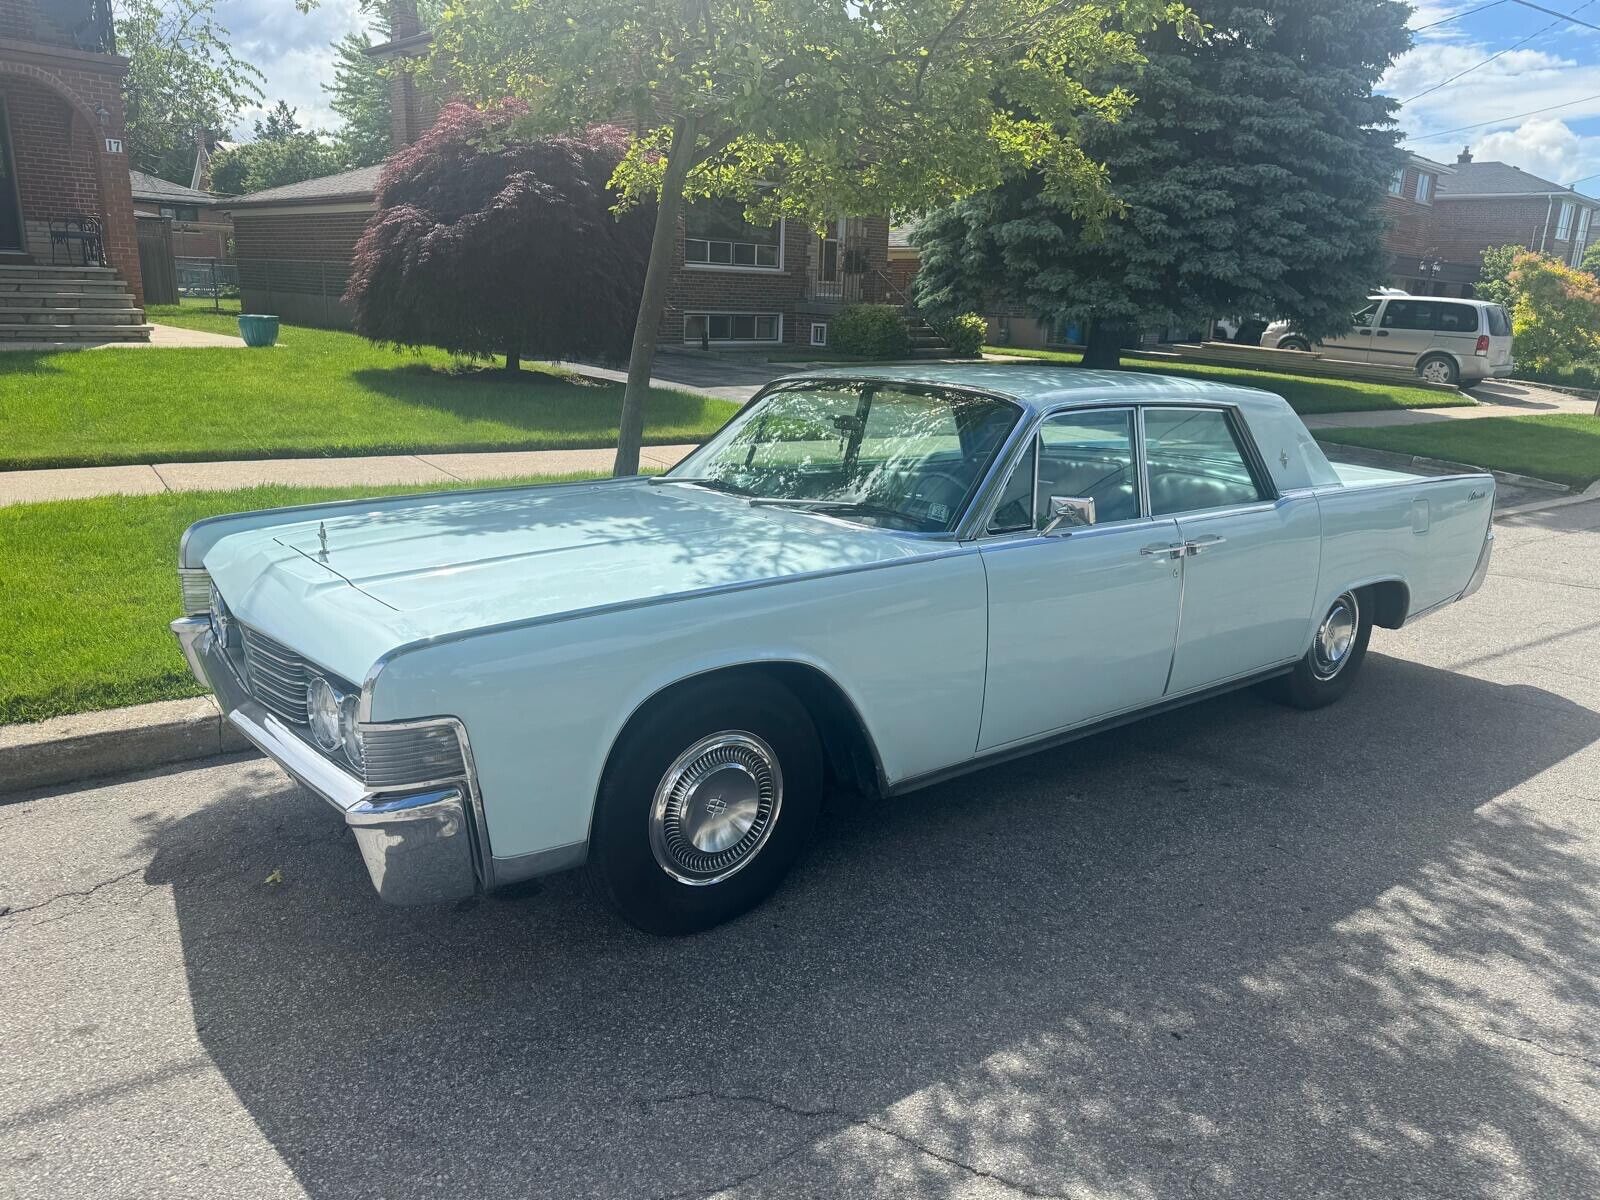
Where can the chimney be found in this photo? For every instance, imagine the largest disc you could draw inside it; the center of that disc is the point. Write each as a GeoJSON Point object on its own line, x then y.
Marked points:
{"type": "Point", "coordinates": [1465, 156]}
{"type": "Point", "coordinates": [403, 20]}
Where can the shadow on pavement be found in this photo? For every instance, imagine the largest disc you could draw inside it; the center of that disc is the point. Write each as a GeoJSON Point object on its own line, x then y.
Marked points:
{"type": "Point", "coordinates": [1231, 950]}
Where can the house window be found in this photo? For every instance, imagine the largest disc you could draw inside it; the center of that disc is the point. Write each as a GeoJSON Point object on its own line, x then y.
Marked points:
{"type": "Point", "coordinates": [1424, 189]}
{"type": "Point", "coordinates": [717, 235]}
{"type": "Point", "coordinates": [819, 333]}
{"type": "Point", "coordinates": [732, 327]}
{"type": "Point", "coordinates": [181, 212]}
{"type": "Point", "coordinates": [1397, 185]}
{"type": "Point", "coordinates": [1564, 221]}
{"type": "Point", "coordinates": [1583, 235]}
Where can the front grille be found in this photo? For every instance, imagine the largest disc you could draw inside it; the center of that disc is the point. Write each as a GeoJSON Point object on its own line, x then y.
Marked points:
{"type": "Point", "coordinates": [277, 676]}
{"type": "Point", "coordinates": [399, 756]}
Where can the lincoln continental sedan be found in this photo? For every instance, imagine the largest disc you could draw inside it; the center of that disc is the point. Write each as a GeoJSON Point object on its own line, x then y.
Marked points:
{"type": "Point", "coordinates": [868, 581]}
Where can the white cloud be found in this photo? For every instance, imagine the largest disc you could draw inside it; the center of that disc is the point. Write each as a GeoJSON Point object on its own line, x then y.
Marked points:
{"type": "Point", "coordinates": [293, 50]}
{"type": "Point", "coordinates": [1543, 146]}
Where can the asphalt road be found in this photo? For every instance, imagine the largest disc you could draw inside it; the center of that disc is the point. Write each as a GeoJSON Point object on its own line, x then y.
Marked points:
{"type": "Point", "coordinates": [1233, 951]}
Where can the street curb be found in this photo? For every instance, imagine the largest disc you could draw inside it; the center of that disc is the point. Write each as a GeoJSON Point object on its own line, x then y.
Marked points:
{"type": "Point", "coordinates": [88, 745]}
{"type": "Point", "coordinates": [1590, 493]}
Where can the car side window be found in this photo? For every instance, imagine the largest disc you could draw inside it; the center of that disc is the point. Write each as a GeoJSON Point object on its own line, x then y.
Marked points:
{"type": "Point", "coordinates": [1455, 318]}
{"type": "Point", "coordinates": [1409, 314]}
{"type": "Point", "coordinates": [1088, 453]}
{"type": "Point", "coordinates": [1014, 510]}
{"type": "Point", "coordinates": [1195, 462]}
{"type": "Point", "coordinates": [1363, 318]}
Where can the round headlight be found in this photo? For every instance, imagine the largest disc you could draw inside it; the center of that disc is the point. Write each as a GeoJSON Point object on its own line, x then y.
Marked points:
{"type": "Point", "coordinates": [325, 714]}
{"type": "Point", "coordinates": [352, 733]}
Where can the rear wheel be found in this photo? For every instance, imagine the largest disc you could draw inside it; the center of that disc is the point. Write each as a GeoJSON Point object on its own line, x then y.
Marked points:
{"type": "Point", "coordinates": [1338, 649]}
{"type": "Point", "coordinates": [1439, 368]}
{"type": "Point", "coordinates": [710, 796]}
{"type": "Point", "coordinates": [1293, 342]}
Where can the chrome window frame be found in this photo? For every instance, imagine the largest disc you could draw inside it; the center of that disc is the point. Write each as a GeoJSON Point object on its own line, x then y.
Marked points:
{"type": "Point", "coordinates": [1034, 439]}
{"type": "Point", "coordinates": [1244, 441]}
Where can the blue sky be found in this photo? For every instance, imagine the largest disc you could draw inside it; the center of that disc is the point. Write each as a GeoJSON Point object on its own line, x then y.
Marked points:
{"type": "Point", "coordinates": [1557, 67]}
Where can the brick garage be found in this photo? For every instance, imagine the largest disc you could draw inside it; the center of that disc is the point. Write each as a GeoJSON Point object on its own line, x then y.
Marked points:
{"type": "Point", "coordinates": [63, 104]}
{"type": "Point", "coordinates": [293, 246]}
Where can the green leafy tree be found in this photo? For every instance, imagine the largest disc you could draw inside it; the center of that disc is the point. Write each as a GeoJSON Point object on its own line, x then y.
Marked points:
{"type": "Point", "coordinates": [806, 108]}
{"type": "Point", "coordinates": [183, 80]}
{"type": "Point", "coordinates": [281, 153]}
{"type": "Point", "coordinates": [1249, 178]}
{"type": "Point", "coordinates": [1556, 316]}
{"type": "Point", "coordinates": [1591, 258]}
{"type": "Point", "coordinates": [359, 94]}
{"type": "Point", "coordinates": [1494, 278]}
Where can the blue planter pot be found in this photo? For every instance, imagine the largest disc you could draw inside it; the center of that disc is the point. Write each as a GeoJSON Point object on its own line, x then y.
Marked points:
{"type": "Point", "coordinates": [258, 329]}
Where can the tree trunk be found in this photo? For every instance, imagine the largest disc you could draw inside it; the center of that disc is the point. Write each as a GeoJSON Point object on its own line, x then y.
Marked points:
{"type": "Point", "coordinates": [680, 156]}
{"type": "Point", "coordinates": [1103, 350]}
{"type": "Point", "coordinates": [513, 361]}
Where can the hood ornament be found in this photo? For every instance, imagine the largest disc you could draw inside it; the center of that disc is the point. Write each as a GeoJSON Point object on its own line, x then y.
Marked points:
{"type": "Point", "coordinates": [322, 536]}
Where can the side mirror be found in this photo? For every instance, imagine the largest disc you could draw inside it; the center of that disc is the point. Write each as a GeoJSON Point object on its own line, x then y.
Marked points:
{"type": "Point", "coordinates": [1073, 511]}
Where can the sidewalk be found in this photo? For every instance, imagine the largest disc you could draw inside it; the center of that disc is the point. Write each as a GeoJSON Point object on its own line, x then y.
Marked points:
{"type": "Point", "coordinates": [1496, 398]}
{"type": "Point", "coordinates": [76, 483]}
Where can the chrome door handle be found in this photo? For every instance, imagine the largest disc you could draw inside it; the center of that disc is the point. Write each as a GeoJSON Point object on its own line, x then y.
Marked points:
{"type": "Point", "coordinates": [1203, 543]}
{"type": "Point", "coordinates": [1160, 550]}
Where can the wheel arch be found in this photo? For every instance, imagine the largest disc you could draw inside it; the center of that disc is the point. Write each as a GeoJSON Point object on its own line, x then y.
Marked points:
{"type": "Point", "coordinates": [850, 753]}
{"type": "Point", "coordinates": [1391, 602]}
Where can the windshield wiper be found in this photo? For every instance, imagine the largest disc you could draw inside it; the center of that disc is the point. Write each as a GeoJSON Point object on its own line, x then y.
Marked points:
{"type": "Point", "coordinates": [716, 485]}
{"type": "Point", "coordinates": [866, 507]}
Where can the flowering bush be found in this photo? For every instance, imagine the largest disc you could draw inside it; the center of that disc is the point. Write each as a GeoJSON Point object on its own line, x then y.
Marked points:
{"type": "Point", "coordinates": [1555, 318]}
{"type": "Point", "coordinates": [486, 244]}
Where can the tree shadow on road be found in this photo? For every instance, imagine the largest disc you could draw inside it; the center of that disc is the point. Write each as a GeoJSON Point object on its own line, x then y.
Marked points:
{"type": "Point", "coordinates": [1232, 950]}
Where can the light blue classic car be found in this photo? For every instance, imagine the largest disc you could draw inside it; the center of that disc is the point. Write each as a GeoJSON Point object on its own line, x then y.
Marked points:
{"type": "Point", "coordinates": [868, 580]}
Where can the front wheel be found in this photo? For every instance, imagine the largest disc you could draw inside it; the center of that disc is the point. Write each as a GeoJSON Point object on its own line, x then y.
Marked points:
{"type": "Point", "coordinates": [1337, 651]}
{"type": "Point", "coordinates": [709, 798]}
{"type": "Point", "coordinates": [1293, 342]}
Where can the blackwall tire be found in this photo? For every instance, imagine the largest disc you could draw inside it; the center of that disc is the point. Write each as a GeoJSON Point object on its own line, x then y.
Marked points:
{"type": "Point", "coordinates": [709, 798]}
{"type": "Point", "coordinates": [1338, 648]}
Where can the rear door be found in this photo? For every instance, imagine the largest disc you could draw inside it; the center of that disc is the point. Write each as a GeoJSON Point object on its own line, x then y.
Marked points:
{"type": "Point", "coordinates": [1499, 322]}
{"type": "Point", "coordinates": [1455, 331]}
{"type": "Point", "coordinates": [1250, 572]}
{"type": "Point", "coordinates": [1403, 334]}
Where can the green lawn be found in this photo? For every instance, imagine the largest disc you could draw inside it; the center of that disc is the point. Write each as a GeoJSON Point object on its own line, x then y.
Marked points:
{"type": "Point", "coordinates": [318, 393]}
{"type": "Point", "coordinates": [1307, 394]}
{"type": "Point", "coordinates": [1560, 447]}
{"type": "Point", "coordinates": [90, 588]}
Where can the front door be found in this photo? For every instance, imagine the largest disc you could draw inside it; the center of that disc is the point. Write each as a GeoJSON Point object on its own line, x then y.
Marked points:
{"type": "Point", "coordinates": [11, 230]}
{"type": "Point", "coordinates": [1355, 343]}
{"type": "Point", "coordinates": [1081, 623]}
{"type": "Point", "coordinates": [1404, 332]}
{"type": "Point", "coordinates": [1251, 564]}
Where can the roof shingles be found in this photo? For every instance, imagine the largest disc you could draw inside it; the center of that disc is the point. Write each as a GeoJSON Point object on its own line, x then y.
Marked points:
{"type": "Point", "coordinates": [358, 184]}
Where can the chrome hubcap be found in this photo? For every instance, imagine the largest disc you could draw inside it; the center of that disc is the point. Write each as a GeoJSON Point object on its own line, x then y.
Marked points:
{"type": "Point", "coordinates": [715, 807]}
{"type": "Point", "coordinates": [1335, 637]}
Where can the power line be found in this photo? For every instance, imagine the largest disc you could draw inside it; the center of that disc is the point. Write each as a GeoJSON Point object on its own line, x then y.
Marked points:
{"type": "Point", "coordinates": [1458, 16]}
{"type": "Point", "coordinates": [1553, 13]}
{"type": "Point", "coordinates": [1428, 137]}
{"type": "Point", "coordinates": [1497, 54]}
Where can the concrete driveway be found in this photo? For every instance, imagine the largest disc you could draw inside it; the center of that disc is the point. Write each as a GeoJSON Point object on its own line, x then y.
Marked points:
{"type": "Point", "coordinates": [1231, 951]}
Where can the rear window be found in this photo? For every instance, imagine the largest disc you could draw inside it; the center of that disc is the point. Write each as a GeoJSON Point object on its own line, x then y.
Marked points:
{"type": "Point", "coordinates": [1499, 323]}
{"type": "Point", "coordinates": [1455, 318]}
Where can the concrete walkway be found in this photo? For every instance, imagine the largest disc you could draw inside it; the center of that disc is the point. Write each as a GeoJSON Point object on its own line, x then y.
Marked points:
{"type": "Point", "coordinates": [1498, 398]}
{"type": "Point", "coordinates": [162, 337]}
{"type": "Point", "coordinates": [76, 483]}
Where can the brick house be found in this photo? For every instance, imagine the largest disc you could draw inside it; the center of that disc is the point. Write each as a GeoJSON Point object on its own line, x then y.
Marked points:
{"type": "Point", "coordinates": [1484, 204]}
{"type": "Point", "coordinates": [1411, 209]}
{"type": "Point", "coordinates": [732, 285]}
{"type": "Point", "coordinates": [200, 224]}
{"type": "Point", "coordinates": [62, 154]}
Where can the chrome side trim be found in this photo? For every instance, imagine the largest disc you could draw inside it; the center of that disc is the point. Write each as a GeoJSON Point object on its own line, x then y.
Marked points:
{"type": "Point", "coordinates": [1050, 741]}
{"type": "Point", "coordinates": [520, 867]}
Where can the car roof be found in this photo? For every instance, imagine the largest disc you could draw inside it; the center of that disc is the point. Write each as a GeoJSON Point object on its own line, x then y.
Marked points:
{"type": "Point", "coordinates": [1444, 299]}
{"type": "Point", "coordinates": [1038, 386]}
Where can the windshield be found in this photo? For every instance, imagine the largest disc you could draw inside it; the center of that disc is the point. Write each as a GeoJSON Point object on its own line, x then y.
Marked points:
{"type": "Point", "coordinates": [898, 455]}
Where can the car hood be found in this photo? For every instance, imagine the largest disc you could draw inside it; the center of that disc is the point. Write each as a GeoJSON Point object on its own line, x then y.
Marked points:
{"type": "Point", "coordinates": [345, 585]}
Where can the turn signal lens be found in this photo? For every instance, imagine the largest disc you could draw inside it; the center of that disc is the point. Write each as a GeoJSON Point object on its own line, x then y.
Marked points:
{"type": "Point", "coordinates": [1483, 343]}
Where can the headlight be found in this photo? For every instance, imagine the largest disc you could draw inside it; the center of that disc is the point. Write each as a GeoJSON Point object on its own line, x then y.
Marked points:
{"type": "Point", "coordinates": [352, 733]}
{"type": "Point", "coordinates": [325, 713]}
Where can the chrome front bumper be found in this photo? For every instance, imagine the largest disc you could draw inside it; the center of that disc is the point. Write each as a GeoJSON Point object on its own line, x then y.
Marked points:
{"type": "Point", "coordinates": [418, 845]}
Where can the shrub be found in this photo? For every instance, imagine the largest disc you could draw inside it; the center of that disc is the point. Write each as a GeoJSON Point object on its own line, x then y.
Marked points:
{"type": "Point", "coordinates": [870, 330]}
{"type": "Point", "coordinates": [485, 244]}
{"type": "Point", "coordinates": [964, 333]}
{"type": "Point", "coordinates": [1556, 320]}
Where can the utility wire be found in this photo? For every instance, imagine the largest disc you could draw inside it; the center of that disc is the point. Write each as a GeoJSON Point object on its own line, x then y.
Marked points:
{"type": "Point", "coordinates": [1458, 16]}
{"type": "Point", "coordinates": [1497, 54]}
{"type": "Point", "coordinates": [1533, 112]}
{"type": "Point", "coordinates": [1553, 13]}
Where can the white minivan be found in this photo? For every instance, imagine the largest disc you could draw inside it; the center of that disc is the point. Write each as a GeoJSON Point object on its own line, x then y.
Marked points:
{"type": "Point", "coordinates": [1443, 340]}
